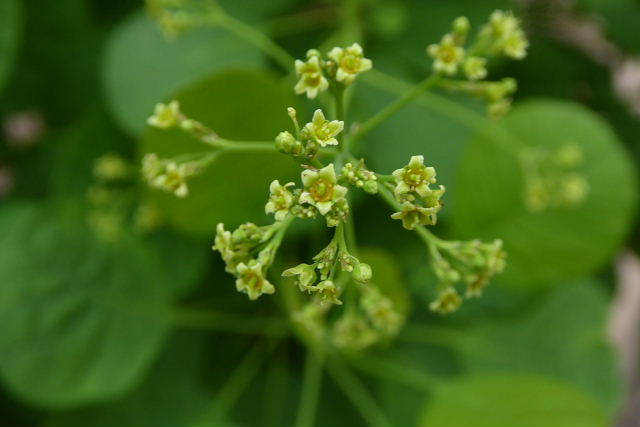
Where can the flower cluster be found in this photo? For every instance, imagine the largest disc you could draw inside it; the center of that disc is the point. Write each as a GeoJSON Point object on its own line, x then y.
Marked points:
{"type": "Point", "coordinates": [339, 68]}
{"type": "Point", "coordinates": [318, 278]}
{"type": "Point", "coordinates": [361, 177]}
{"type": "Point", "coordinates": [419, 202]}
{"type": "Point", "coordinates": [553, 179]}
{"type": "Point", "coordinates": [473, 263]}
{"type": "Point", "coordinates": [502, 35]}
{"type": "Point", "coordinates": [335, 276]}
{"type": "Point", "coordinates": [248, 252]}
{"type": "Point", "coordinates": [320, 132]}
{"type": "Point", "coordinates": [167, 175]}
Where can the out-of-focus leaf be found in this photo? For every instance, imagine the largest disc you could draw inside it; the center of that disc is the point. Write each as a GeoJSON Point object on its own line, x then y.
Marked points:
{"type": "Point", "coordinates": [561, 336]}
{"type": "Point", "coordinates": [143, 67]}
{"type": "Point", "coordinates": [558, 243]}
{"type": "Point", "coordinates": [75, 150]}
{"type": "Point", "coordinates": [239, 105]}
{"type": "Point", "coordinates": [10, 26]}
{"type": "Point", "coordinates": [173, 393]}
{"type": "Point", "coordinates": [387, 277]}
{"type": "Point", "coordinates": [414, 130]}
{"type": "Point", "coordinates": [513, 399]}
{"type": "Point", "coordinates": [72, 308]}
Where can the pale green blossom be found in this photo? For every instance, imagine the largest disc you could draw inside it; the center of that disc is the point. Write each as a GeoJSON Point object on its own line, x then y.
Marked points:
{"type": "Point", "coordinates": [321, 189]}
{"type": "Point", "coordinates": [311, 78]}
{"type": "Point", "coordinates": [350, 61]}
{"type": "Point", "coordinates": [251, 280]}
{"type": "Point", "coordinates": [447, 55]}
{"type": "Point", "coordinates": [475, 68]}
{"type": "Point", "coordinates": [323, 131]}
{"type": "Point", "coordinates": [414, 177]}
{"type": "Point", "coordinates": [280, 200]}
{"type": "Point", "coordinates": [165, 116]}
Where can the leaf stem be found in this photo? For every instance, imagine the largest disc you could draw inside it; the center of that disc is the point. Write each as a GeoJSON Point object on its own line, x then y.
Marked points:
{"type": "Point", "coordinates": [251, 35]}
{"type": "Point", "coordinates": [355, 391]}
{"type": "Point", "coordinates": [311, 386]}
{"type": "Point", "coordinates": [393, 371]}
{"type": "Point", "coordinates": [395, 106]}
{"type": "Point", "coordinates": [235, 385]}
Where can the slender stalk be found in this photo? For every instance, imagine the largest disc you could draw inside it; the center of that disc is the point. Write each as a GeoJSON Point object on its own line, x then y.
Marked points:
{"type": "Point", "coordinates": [395, 106]}
{"type": "Point", "coordinates": [355, 391]}
{"type": "Point", "coordinates": [246, 146]}
{"type": "Point", "coordinates": [233, 388]}
{"type": "Point", "coordinates": [227, 322]}
{"type": "Point", "coordinates": [253, 36]}
{"type": "Point", "coordinates": [426, 235]}
{"type": "Point", "coordinates": [311, 386]}
{"type": "Point", "coordinates": [393, 371]}
{"type": "Point", "coordinates": [446, 107]}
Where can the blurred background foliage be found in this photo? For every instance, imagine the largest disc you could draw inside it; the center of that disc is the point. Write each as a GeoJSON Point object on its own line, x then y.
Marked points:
{"type": "Point", "coordinates": [107, 323]}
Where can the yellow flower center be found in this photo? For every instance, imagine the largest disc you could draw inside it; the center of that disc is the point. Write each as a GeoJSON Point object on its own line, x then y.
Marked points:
{"type": "Point", "coordinates": [322, 190]}
{"type": "Point", "coordinates": [350, 63]}
{"type": "Point", "coordinates": [313, 79]}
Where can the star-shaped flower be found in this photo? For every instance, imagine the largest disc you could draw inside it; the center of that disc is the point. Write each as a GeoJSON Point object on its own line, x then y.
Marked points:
{"type": "Point", "coordinates": [251, 280]}
{"type": "Point", "coordinates": [350, 61]}
{"type": "Point", "coordinates": [322, 130]}
{"type": "Point", "coordinates": [321, 189]}
{"type": "Point", "coordinates": [312, 81]}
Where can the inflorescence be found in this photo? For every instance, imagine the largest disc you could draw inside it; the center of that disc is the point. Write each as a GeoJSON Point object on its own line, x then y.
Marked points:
{"type": "Point", "coordinates": [330, 173]}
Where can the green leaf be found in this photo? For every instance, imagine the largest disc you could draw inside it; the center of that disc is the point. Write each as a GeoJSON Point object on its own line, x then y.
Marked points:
{"type": "Point", "coordinates": [561, 335]}
{"type": "Point", "coordinates": [511, 399]}
{"type": "Point", "coordinates": [173, 393]}
{"type": "Point", "coordinates": [143, 67]}
{"type": "Point", "coordinates": [10, 26]}
{"type": "Point", "coordinates": [414, 130]}
{"type": "Point", "coordinates": [72, 307]}
{"type": "Point", "coordinates": [558, 243]}
{"type": "Point", "coordinates": [240, 105]}
{"type": "Point", "coordinates": [387, 276]}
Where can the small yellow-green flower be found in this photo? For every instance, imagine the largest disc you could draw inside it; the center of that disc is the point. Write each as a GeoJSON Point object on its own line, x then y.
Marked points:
{"type": "Point", "coordinates": [322, 130]}
{"type": "Point", "coordinates": [327, 291]}
{"type": "Point", "coordinates": [312, 81]}
{"type": "Point", "coordinates": [516, 45]}
{"type": "Point", "coordinates": [251, 280]}
{"type": "Point", "coordinates": [447, 55]}
{"type": "Point", "coordinates": [448, 301]}
{"type": "Point", "coordinates": [414, 177]}
{"type": "Point", "coordinates": [151, 167]}
{"type": "Point", "coordinates": [412, 215]}
{"type": "Point", "coordinates": [350, 61]}
{"type": "Point", "coordinates": [111, 167]}
{"type": "Point", "coordinates": [502, 24]}
{"type": "Point", "coordinates": [506, 35]}
{"type": "Point", "coordinates": [321, 189]}
{"type": "Point", "coordinates": [165, 116]}
{"type": "Point", "coordinates": [306, 275]}
{"type": "Point", "coordinates": [475, 68]}
{"type": "Point", "coordinates": [280, 200]}
{"type": "Point", "coordinates": [174, 179]}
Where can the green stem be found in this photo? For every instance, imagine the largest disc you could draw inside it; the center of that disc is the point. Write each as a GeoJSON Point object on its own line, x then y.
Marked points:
{"type": "Point", "coordinates": [251, 35]}
{"type": "Point", "coordinates": [426, 235]}
{"type": "Point", "coordinates": [232, 323]}
{"type": "Point", "coordinates": [357, 393]}
{"type": "Point", "coordinates": [246, 146]}
{"type": "Point", "coordinates": [393, 371]}
{"type": "Point", "coordinates": [447, 108]}
{"type": "Point", "coordinates": [395, 106]}
{"type": "Point", "coordinates": [233, 388]}
{"type": "Point", "coordinates": [311, 386]}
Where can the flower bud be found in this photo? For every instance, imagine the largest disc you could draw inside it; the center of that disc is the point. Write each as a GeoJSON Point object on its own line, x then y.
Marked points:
{"type": "Point", "coordinates": [362, 272]}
